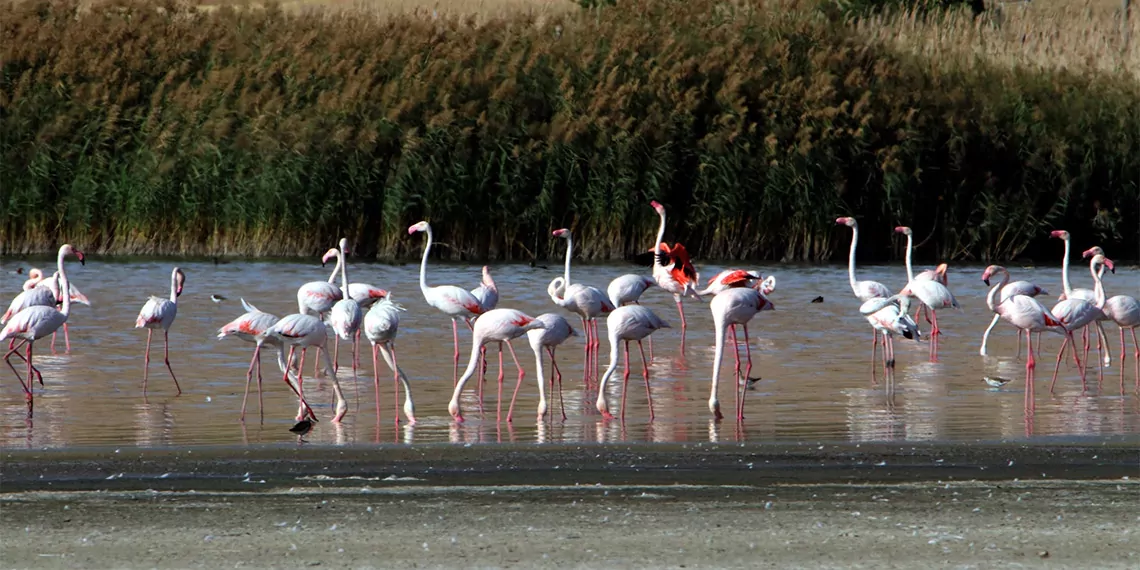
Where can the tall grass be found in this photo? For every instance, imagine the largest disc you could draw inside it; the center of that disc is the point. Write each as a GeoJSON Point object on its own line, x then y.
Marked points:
{"type": "Point", "coordinates": [265, 131]}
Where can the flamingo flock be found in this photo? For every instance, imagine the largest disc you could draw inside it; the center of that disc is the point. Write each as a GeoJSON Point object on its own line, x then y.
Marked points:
{"type": "Point", "coordinates": [344, 311]}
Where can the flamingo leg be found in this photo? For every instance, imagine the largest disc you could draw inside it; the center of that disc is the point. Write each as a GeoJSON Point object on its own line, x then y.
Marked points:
{"type": "Point", "coordinates": [336, 353]}
{"type": "Point", "coordinates": [747, 374]}
{"type": "Point", "coordinates": [645, 373]}
{"type": "Point", "coordinates": [28, 395]}
{"type": "Point", "coordinates": [518, 384]}
{"type": "Point", "coordinates": [455, 340]}
{"type": "Point", "coordinates": [146, 360]}
{"type": "Point", "coordinates": [736, 376]}
{"type": "Point", "coordinates": [66, 339]}
{"type": "Point", "coordinates": [1135, 357]}
{"type": "Point", "coordinates": [304, 409]}
{"type": "Point", "coordinates": [625, 382]}
{"type": "Point", "coordinates": [1057, 367]}
{"type": "Point", "coordinates": [499, 404]}
{"type": "Point", "coordinates": [376, 383]}
{"type": "Point", "coordinates": [556, 371]}
{"type": "Point", "coordinates": [934, 335]}
{"type": "Point", "coordinates": [586, 355]}
{"type": "Point", "coordinates": [1030, 364]}
{"type": "Point", "coordinates": [1018, 355]}
{"type": "Point", "coordinates": [166, 357]}
{"type": "Point", "coordinates": [396, 385]}
{"type": "Point", "coordinates": [597, 344]}
{"type": "Point", "coordinates": [874, 350]}
{"type": "Point", "coordinates": [248, 380]}
{"type": "Point", "coordinates": [16, 352]}
{"type": "Point", "coordinates": [260, 397]}
{"type": "Point", "coordinates": [684, 325]}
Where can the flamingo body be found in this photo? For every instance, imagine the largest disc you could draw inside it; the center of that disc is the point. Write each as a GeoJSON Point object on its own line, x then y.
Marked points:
{"type": "Point", "coordinates": [628, 288]}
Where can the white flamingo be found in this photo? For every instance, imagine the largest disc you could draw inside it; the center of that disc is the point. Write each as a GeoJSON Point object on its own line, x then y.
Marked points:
{"type": "Point", "coordinates": [160, 313]}
{"type": "Point", "coordinates": [1015, 288]}
{"type": "Point", "coordinates": [1079, 293]}
{"type": "Point", "coordinates": [629, 323]}
{"type": "Point", "coordinates": [345, 315]}
{"type": "Point", "coordinates": [735, 306]}
{"type": "Point", "coordinates": [555, 331]}
{"type": "Point", "coordinates": [381, 324]}
{"type": "Point", "coordinates": [888, 316]}
{"type": "Point", "coordinates": [930, 292]}
{"type": "Point", "coordinates": [487, 293]}
{"type": "Point", "coordinates": [451, 300]}
{"type": "Point", "coordinates": [673, 270]}
{"type": "Point", "coordinates": [627, 289]}
{"type": "Point", "coordinates": [501, 326]}
{"type": "Point", "coordinates": [304, 331]}
{"type": "Point", "coordinates": [36, 322]}
{"type": "Point", "coordinates": [585, 301]}
{"type": "Point", "coordinates": [1076, 313]}
{"type": "Point", "coordinates": [253, 326]}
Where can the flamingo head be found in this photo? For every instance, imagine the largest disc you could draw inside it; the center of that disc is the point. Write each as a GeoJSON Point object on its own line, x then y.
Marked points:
{"type": "Point", "coordinates": [1094, 250]}
{"type": "Point", "coordinates": [179, 281]}
{"type": "Point", "coordinates": [990, 271]}
{"type": "Point", "coordinates": [657, 207]}
{"type": "Point", "coordinates": [847, 221]}
{"type": "Point", "coordinates": [68, 249]}
{"type": "Point", "coordinates": [418, 227]}
{"type": "Point", "coordinates": [35, 273]}
{"type": "Point", "coordinates": [330, 254]}
{"type": "Point", "coordinates": [562, 233]}
{"type": "Point", "coordinates": [903, 230]}
{"type": "Point", "coordinates": [1100, 259]}
{"type": "Point", "coordinates": [344, 245]}
{"type": "Point", "coordinates": [1062, 234]}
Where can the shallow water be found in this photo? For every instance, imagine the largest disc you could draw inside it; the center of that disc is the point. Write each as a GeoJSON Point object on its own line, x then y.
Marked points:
{"type": "Point", "coordinates": [813, 359]}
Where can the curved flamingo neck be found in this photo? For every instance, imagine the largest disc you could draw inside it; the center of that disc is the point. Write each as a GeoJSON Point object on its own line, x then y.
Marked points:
{"type": "Point", "coordinates": [909, 248]}
{"type": "Point", "coordinates": [332, 276]}
{"type": "Point", "coordinates": [1065, 270]}
{"type": "Point", "coordinates": [64, 285]}
{"type": "Point", "coordinates": [657, 242]}
{"type": "Point", "coordinates": [1098, 289]}
{"type": "Point", "coordinates": [423, 263]}
{"type": "Point", "coordinates": [991, 298]}
{"type": "Point", "coordinates": [173, 284]}
{"type": "Point", "coordinates": [851, 258]}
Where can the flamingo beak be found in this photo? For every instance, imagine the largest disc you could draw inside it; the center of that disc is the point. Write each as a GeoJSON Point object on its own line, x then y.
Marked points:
{"type": "Point", "coordinates": [82, 258]}
{"type": "Point", "coordinates": [1110, 265]}
{"type": "Point", "coordinates": [1057, 233]}
{"type": "Point", "coordinates": [986, 280]}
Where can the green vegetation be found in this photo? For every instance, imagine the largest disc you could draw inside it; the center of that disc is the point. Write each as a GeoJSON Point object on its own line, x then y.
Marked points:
{"type": "Point", "coordinates": [134, 129]}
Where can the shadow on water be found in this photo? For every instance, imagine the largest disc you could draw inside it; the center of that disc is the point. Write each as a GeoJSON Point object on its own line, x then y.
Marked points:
{"type": "Point", "coordinates": [812, 358]}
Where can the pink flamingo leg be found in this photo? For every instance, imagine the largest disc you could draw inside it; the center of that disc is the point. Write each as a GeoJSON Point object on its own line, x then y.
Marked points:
{"type": "Point", "coordinates": [625, 382]}
{"type": "Point", "coordinates": [396, 386]}
{"type": "Point", "coordinates": [166, 357]}
{"type": "Point", "coordinates": [556, 371]}
{"type": "Point", "coordinates": [499, 404]}
{"type": "Point", "coordinates": [518, 384]}
{"type": "Point", "coordinates": [305, 410]}
{"type": "Point", "coordinates": [455, 340]}
{"type": "Point", "coordinates": [66, 339]}
{"type": "Point", "coordinates": [586, 355]}
{"type": "Point", "coordinates": [248, 380]}
{"type": "Point", "coordinates": [736, 375]}
{"type": "Point", "coordinates": [1135, 357]}
{"type": "Point", "coordinates": [28, 395]}
{"type": "Point", "coordinates": [336, 353]}
{"type": "Point", "coordinates": [146, 360]}
{"type": "Point", "coordinates": [376, 382]}
{"type": "Point", "coordinates": [874, 351]}
{"type": "Point", "coordinates": [645, 373]}
{"type": "Point", "coordinates": [16, 352]}
{"type": "Point", "coordinates": [934, 335]}
{"type": "Point", "coordinates": [747, 374]}
{"type": "Point", "coordinates": [1030, 364]}
{"type": "Point", "coordinates": [684, 325]}
{"type": "Point", "coordinates": [597, 343]}
{"type": "Point", "coordinates": [1060, 356]}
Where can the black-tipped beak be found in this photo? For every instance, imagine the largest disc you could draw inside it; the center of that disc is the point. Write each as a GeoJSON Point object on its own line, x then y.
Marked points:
{"type": "Point", "coordinates": [986, 281]}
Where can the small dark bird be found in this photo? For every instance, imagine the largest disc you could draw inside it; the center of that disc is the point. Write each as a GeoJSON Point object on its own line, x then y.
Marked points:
{"type": "Point", "coordinates": [995, 381]}
{"type": "Point", "coordinates": [752, 383]}
{"type": "Point", "coordinates": [818, 299]}
{"type": "Point", "coordinates": [217, 298]}
{"type": "Point", "coordinates": [19, 271]}
{"type": "Point", "coordinates": [303, 427]}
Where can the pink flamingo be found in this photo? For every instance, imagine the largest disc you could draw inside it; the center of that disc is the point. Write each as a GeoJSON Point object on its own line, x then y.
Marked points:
{"type": "Point", "coordinates": [76, 297]}
{"type": "Point", "coordinates": [304, 331]}
{"type": "Point", "coordinates": [35, 275]}
{"type": "Point", "coordinates": [864, 290]}
{"type": "Point", "coordinates": [381, 324]}
{"type": "Point", "coordinates": [585, 301]}
{"type": "Point", "coordinates": [317, 297]}
{"type": "Point", "coordinates": [1124, 310]}
{"type": "Point", "coordinates": [673, 270]}
{"type": "Point", "coordinates": [36, 322]}
{"type": "Point", "coordinates": [1027, 314]}
{"type": "Point", "coordinates": [1076, 313]}
{"type": "Point", "coordinates": [555, 330]}
{"type": "Point", "coordinates": [1015, 288]}
{"type": "Point", "coordinates": [253, 326]}
{"type": "Point", "coordinates": [628, 323]}
{"type": "Point", "coordinates": [345, 315]}
{"type": "Point", "coordinates": [1078, 293]}
{"type": "Point", "coordinates": [730, 278]}
{"type": "Point", "coordinates": [735, 306]}
{"type": "Point", "coordinates": [487, 293]}
{"type": "Point", "coordinates": [160, 313]}
{"type": "Point", "coordinates": [501, 326]}
{"type": "Point", "coordinates": [451, 300]}
{"type": "Point", "coordinates": [365, 295]}
{"type": "Point", "coordinates": [627, 289]}
{"type": "Point", "coordinates": [888, 316]}
{"type": "Point", "coordinates": [931, 293]}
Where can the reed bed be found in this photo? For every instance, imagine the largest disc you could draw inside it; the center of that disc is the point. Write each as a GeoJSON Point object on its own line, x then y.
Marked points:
{"type": "Point", "coordinates": [132, 127]}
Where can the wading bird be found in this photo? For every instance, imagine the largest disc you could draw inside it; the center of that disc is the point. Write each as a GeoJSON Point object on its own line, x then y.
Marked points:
{"type": "Point", "coordinates": [673, 270]}
{"type": "Point", "coordinates": [629, 323]}
{"type": "Point", "coordinates": [159, 313]}
{"type": "Point", "coordinates": [253, 326]}
{"type": "Point", "coordinates": [1075, 314]}
{"type": "Point", "coordinates": [931, 293]}
{"type": "Point", "coordinates": [585, 301]}
{"type": "Point", "coordinates": [501, 326]}
{"type": "Point", "coordinates": [729, 308]}
{"type": "Point", "coordinates": [345, 315]}
{"type": "Point", "coordinates": [888, 316]}
{"type": "Point", "coordinates": [1078, 293]}
{"type": "Point", "coordinates": [381, 324]}
{"type": "Point", "coordinates": [304, 331]}
{"type": "Point", "coordinates": [555, 330]}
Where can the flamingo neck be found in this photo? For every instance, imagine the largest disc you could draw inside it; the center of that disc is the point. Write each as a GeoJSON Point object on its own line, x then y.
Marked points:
{"type": "Point", "coordinates": [1065, 270]}
{"type": "Point", "coordinates": [569, 252]}
{"type": "Point", "coordinates": [991, 298]}
{"type": "Point", "coordinates": [721, 330]}
{"type": "Point", "coordinates": [657, 242]}
{"type": "Point", "coordinates": [1098, 288]}
{"type": "Point", "coordinates": [909, 248]}
{"type": "Point", "coordinates": [332, 276]}
{"type": "Point", "coordinates": [343, 273]}
{"type": "Point", "coordinates": [851, 258]}
{"type": "Point", "coordinates": [613, 362]}
{"type": "Point", "coordinates": [423, 262]}
{"type": "Point", "coordinates": [173, 287]}
{"type": "Point", "coordinates": [64, 286]}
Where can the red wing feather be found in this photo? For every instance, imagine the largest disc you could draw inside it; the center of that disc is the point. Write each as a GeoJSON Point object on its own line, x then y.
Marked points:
{"type": "Point", "coordinates": [738, 278]}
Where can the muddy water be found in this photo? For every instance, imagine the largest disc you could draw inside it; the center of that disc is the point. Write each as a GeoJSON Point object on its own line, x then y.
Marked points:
{"type": "Point", "coordinates": [813, 360]}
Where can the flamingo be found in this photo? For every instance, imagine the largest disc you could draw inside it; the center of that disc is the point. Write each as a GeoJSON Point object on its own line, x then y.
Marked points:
{"type": "Point", "coordinates": [729, 308]}
{"type": "Point", "coordinates": [501, 326]}
{"type": "Point", "coordinates": [487, 293]}
{"type": "Point", "coordinates": [672, 269]}
{"type": "Point", "coordinates": [76, 297]}
{"type": "Point", "coordinates": [930, 292]}
{"type": "Point", "coordinates": [381, 324]}
{"type": "Point", "coordinates": [628, 323]}
{"type": "Point", "coordinates": [1077, 313]}
{"type": "Point", "coordinates": [1079, 293]}
{"type": "Point", "coordinates": [253, 326]}
{"type": "Point", "coordinates": [451, 300]}
{"type": "Point", "coordinates": [317, 297]}
{"type": "Point", "coordinates": [888, 316]}
{"type": "Point", "coordinates": [159, 313]}
{"type": "Point", "coordinates": [36, 322]}
{"type": "Point", "coordinates": [730, 278]}
{"type": "Point", "coordinates": [1027, 314]}
{"type": "Point", "coordinates": [35, 275]}
{"type": "Point", "coordinates": [303, 331]}
{"type": "Point", "coordinates": [555, 331]}
{"type": "Point", "coordinates": [1124, 310]}
{"type": "Point", "coordinates": [345, 316]}
{"type": "Point", "coordinates": [627, 289]}
{"type": "Point", "coordinates": [1015, 288]}
{"type": "Point", "coordinates": [365, 295]}
{"type": "Point", "coordinates": [864, 290]}
{"type": "Point", "coordinates": [585, 301]}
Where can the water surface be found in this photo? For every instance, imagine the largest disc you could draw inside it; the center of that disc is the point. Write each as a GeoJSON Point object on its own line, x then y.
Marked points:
{"type": "Point", "coordinates": [813, 360]}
